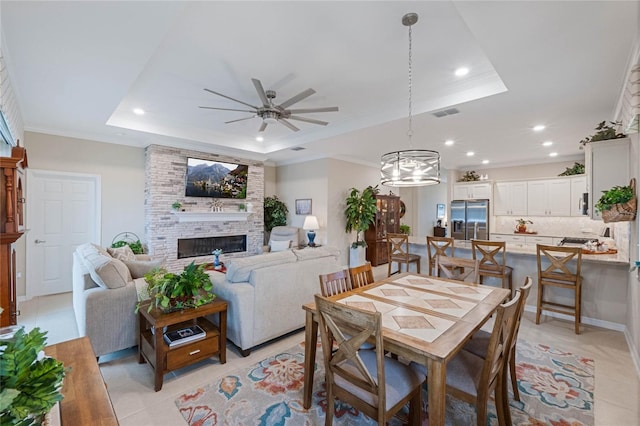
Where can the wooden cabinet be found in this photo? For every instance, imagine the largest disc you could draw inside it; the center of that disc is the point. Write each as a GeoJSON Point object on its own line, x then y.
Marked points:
{"type": "Point", "coordinates": [472, 191]}
{"type": "Point", "coordinates": [578, 188]}
{"type": "Point", "coordinates": [11, 229]}
{"type": "Point", "coordinates": [387, 220]}
{"type": "Point", "coordinates": [510, 198]}
{"type": "Point", "coordinates": [606, 165]}
{"type": "Point", "coordinates": [550, 197]}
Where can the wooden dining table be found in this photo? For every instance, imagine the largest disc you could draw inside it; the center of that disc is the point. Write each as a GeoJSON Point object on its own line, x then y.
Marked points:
{"type": "Point", "coordinates": [425, 319]}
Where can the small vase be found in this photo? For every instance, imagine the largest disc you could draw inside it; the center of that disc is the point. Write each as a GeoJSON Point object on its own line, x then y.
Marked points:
{"type": "Point", "coordinates": [522, 228]}
{"type": "Point", "coordinates": [216, 260]}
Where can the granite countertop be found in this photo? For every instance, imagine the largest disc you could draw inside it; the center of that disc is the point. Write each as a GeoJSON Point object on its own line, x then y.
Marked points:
{"type": "Point", "coordinates": [528, 249]}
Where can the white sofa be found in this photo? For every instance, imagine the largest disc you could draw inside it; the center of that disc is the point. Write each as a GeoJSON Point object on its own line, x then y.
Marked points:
{"type": "Point", "coordinates": [266, 292]}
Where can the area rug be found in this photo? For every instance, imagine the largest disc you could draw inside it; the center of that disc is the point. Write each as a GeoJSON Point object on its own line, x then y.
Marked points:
{"type": "Point", "coordinates": [556, 388]}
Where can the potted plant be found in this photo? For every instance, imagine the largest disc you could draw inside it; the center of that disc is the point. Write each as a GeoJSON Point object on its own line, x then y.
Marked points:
{"type": "Point", "coordinates": [31, 382]}
{"type": "Point", "coordinates": [405, 229]}
{"type": "Point", "coordinates": [360, 213]}
{"type": "Point", "coordinates": [275, 214]}
{"type": "Point", "coordinates": [618, 204]}
{"type": "Point", "coordinates": [173, 292]}
{"type": "Point", "coordinates": [522, 225]}
{"type": "Point", "coordinates": [176, 205]}
{"type": "Point", "coordinates": [577, 169]}
{"type": "Point", "coordinates": [471, 176]}
{"type": "Point", "coordinates": [604, 132]}
{"type": "Point", "coordinates": [242, 207]}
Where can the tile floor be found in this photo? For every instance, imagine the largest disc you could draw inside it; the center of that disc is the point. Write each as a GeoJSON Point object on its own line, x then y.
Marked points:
{"type": "Point", "coordinates": [130, 384]}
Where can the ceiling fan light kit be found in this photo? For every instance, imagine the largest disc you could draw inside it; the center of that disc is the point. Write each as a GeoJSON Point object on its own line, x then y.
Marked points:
{"type": "Point", "coordinates": [410, 167]}
{"type": "Point", "coordinates": [270, 113]}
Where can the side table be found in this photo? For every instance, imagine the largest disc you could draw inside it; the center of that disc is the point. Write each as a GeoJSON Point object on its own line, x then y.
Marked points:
{"type": "Point", "coordinates": [153, 349]}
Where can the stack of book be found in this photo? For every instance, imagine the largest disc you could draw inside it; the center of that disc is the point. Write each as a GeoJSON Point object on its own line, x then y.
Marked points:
{"type": "Point", "coordinates": [184, 335]}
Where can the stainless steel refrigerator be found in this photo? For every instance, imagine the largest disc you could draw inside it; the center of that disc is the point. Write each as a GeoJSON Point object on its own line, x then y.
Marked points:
{"type": "Point", "coordinates": [470, 220]}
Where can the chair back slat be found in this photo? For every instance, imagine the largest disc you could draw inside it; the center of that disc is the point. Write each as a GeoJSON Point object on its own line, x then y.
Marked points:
{"type": "Point", "coordinates": [361, 275]}
{"type": "Point", "coordinates": [457, 268]}
{"type": "Point", "coordinates": [524, 294]}
{"type": "Point", "coordinates": [335, 283]}
{"type": "Point", "coordinates": [564, 263]}
{"type": "Point", "coordinates": [398, 246]}
{"type": "Point", "coordinates": [438, 246]}
{"type": "Point", "coordinates": [491, 254]}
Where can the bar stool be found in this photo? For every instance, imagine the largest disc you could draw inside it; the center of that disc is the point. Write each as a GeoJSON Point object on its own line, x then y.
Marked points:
{"type": "Point", "coordinates": [398, 249]}
{"type": "Point", "coordinates": [437, 246]}
{"type": "Point", "coordinates": [493, 261]}
{"type": "Point", "coordinates": [564, 272]}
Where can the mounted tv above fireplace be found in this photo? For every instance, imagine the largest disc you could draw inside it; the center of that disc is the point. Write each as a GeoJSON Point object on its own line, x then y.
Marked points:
{"type": "Point", "coordinates": [216, 179]}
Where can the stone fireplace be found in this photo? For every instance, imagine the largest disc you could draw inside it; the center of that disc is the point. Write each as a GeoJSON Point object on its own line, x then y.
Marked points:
{"type": "Point", "coordinates": [165, 172]}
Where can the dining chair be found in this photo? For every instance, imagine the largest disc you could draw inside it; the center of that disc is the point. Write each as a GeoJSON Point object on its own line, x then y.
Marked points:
{"type": "Point", "coordinates": [377, 385]}
{"type": "Point", "coordinates": [361, 275]}
{"type": "Point", "coordinates": [438, 246]}
{"type": "Point", "coordinates": [398, 249]}
{"type": "Point", "coordinates": [335, 283]}
{"type": "Point", "coordinates": [563, 271]}
{"type": "Point", "coordinates": [493, 258]}
{"type": "Point", "coordinates": [473, 379]}
{"type": "Point", "coordinates": [457, 268]}
{"type": "Point", "coordinates": [480, 341]}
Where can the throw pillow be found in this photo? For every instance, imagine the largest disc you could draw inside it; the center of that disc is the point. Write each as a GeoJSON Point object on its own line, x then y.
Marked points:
{"type": "Point", "coordinates": [140, 267]}
{"type": "Point", "coordinates": [122, 253]}
{"type": "Point", "coordinates": [280, 245]}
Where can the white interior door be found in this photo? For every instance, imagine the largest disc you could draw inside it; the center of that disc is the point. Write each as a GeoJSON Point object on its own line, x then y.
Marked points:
{"type": "Point", "coordinates": [63, 211]}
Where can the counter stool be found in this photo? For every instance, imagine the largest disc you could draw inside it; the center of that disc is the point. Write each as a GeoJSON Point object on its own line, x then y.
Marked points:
{"type": "Point", "coordinates": [437, 246]}
{"type": "Point", "coordinates": [398, 249]}
{"type": "Point", "coordinates": [564, 272]}
{"type": "Point", "coordinates": [493, 261]}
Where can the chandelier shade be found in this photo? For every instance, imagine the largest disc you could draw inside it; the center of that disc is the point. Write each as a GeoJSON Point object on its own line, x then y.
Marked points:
{"type": "Point", "coordinates": [411, 167]}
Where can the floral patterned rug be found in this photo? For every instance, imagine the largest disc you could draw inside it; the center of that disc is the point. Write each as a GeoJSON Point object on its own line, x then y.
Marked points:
{"type": "Point", "coordinates": [556, 388]}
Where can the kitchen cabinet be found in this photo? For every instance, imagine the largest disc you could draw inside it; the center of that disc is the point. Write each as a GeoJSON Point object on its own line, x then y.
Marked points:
{"type": "Point", "coordinates": [606, 166]}
{"type": "Point", "coordinates": [549, 197]}
{"type": "Point", "coordinates": [510, 198]}
{"type": "Point", "coordinates": [387, 220]}
{"type": "Point", "coordinates": [578, 188]}
{"type": "Point", "coordinates": [532, 240]}
{"type": "Point", "coordinates": [471, 191]}
{"type": "Point", "coordinates": [508, 238]}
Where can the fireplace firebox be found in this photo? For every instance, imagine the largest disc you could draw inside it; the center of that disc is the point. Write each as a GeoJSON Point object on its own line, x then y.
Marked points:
{"type": "Point", "coordinates": [194, 247]}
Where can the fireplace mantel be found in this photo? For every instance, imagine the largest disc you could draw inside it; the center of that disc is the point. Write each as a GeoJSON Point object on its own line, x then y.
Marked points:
{"type": "Point", "coordinates": [211, 216]}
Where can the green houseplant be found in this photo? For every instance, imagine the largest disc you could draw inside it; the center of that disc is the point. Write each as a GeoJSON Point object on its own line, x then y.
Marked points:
{"type": "Point", "coordinates": [30, 383]}
{"type": "Point", "coordinates": [405, 229]}
{"type": "Point", "coordinates": [172, 292]}
{"type": "Point", "coordinates": [521, 224]}
{"type": "Point", "coordinates": [577, 169]}
{"type": "Point", "coordinates": [618, 204]}
{"type": "Point", "coordinates": [470, 176]}
{"type": "Point", "coordinates": [359, 213]}
{"type": "Point", "coordinates": [604, 132]}
{"type": "Point", "coordinates": [275, 213]}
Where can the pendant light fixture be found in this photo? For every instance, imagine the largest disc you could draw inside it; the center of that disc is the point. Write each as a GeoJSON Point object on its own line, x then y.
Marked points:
{"type": "Point", "coordinates": [410, 167]}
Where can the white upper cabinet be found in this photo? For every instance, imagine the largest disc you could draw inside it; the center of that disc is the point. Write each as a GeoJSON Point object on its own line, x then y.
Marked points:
{"type": "Point", "coordinates": [472, 191]}
{"type": "Point", "coordinates": [510, 198]}
{"type": "Point", "coordinates": [578, 188]}
{"type": "Point", "coordinates": [549, 197]}
{"type": "Point", "coordinates": [607, 165]}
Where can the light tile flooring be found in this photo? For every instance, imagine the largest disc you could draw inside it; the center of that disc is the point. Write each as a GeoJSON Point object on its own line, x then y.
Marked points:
{"type": "Point", "coordinates": [131, 384]}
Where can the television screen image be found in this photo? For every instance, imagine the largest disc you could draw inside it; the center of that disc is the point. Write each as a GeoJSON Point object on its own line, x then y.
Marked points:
{"type": "Point", "coordinates": [216, 179]}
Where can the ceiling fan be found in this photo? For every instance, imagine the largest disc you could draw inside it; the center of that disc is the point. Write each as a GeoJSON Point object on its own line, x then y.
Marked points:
{"type": "Point", "coordinates": [271, 113]}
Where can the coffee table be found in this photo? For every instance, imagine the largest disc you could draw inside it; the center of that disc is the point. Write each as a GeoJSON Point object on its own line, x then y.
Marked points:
{"type": "Point", "coordinates": [153, 349]}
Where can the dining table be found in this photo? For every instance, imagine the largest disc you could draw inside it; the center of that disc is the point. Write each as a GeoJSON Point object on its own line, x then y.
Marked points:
{"type": "Point", "coordinates": [425, 319]}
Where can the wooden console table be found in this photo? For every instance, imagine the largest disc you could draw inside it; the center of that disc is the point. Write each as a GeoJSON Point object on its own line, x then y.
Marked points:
{"type": "Point", "coordinates": [163, 359]}
{"type": "Point", "coordinates": [86, 401]}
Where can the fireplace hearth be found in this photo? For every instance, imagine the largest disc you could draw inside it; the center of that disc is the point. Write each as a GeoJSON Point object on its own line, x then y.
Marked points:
{"type": "Point", "coordinates": [195, 247]}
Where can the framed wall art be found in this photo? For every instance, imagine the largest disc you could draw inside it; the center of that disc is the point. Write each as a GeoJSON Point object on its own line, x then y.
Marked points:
{"type": "Point", "coordinates": [303, 206]}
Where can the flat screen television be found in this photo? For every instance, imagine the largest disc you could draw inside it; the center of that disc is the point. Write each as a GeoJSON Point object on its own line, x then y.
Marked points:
{"type": "Point", "coordinates": [216, 179]}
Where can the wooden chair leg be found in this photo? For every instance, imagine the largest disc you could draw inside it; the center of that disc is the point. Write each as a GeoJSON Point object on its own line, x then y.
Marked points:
{"type": "Point", "coordinates": [578, 313]}
{"type": "Point", "coordinates": [514, 377]}
{"type": "Point", "coordinates": [389, 268]}
{"type": "Point", "coordinates": [539, 308]}
{"type": "Point", "coordinates": [417, 264]}
{"type": "Point", "coordinates": [328, 418]}
{"type": "Point", "coordinates": [481, 409]}
{"type": "Point", "coordinates": [502, 400]}
{"type": "Point", "coordinates": [415, 408]}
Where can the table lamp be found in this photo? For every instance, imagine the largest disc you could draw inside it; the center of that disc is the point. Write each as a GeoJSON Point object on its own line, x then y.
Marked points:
{"type": "Point", "coordinates": [310, 225]}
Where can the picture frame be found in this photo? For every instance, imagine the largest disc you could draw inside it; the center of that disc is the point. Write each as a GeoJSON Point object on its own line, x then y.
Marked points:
{"type": "Point", "coordinates": [440, 211]}
{"type": "Point", "coordinates": [303, 206]}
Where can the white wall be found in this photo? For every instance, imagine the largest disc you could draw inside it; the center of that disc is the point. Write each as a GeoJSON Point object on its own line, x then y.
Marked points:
{"type": "Point", "coordinates": [633, 291]}
{"type": "Point", "coordinates": [427, 199]}
{"type": "Point", "coordinates": [270, 178]}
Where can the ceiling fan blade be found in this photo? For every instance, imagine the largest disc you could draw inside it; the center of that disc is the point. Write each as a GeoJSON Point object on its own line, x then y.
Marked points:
{"type": "Point", "coordinates": [261, 92]}
{"type": "Point", "coordinates": [240, 119]}
{"type": "Point", "coordinates": [263, 126]}
{"type": "Point", "coordinates": [230, 98]}
{"type": "Point", "coordinates": [227, 109]}
{"type": "Point", "coordinates": [289, 125]}
{"type": "Point", "coordinates": [308, 120]}
{"type": "Point", "coordinates": [297, 98]}
{"type": "Point", "coordinates": [308, 110]}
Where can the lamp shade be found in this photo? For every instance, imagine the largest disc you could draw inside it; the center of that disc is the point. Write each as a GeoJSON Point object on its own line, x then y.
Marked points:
{"type": "Point", "coordinates": [412, 167]}
{"type": "Point", "coordinates": [310, 223]}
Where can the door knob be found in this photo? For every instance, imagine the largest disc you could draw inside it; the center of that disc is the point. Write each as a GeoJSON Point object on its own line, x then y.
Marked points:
{"type": "Point", "coordinates": [39, 241]}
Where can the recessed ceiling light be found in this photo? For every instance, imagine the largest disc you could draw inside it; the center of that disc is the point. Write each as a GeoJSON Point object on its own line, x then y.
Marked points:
{"type": "Point", "coordinates": [485, 161]}
{"type": "Point", "coordinates": [470, 154]}
{"type": "Point", "coordinates": [547, 143]}
{"type": "Point", "coordinates": [553, 154]}
{"type": "Point", "coordinates": [449, 142]}
{"type": "Point", "coordinates": [259, 138]}
{"type": "Point", "coordinates": [138, 111]}
{"type": "Point", "coordinates": [462, 71]}
{"type": "Point", "coordinates": [539, 127]}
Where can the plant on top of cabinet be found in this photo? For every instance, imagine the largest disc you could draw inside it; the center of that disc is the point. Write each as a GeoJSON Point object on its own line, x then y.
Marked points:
{"type": "Point", "coordinates": [577, 169]}
{"type": "Point", "coordinates": [604, 132]}
{"type": "Point", "coordinates": [470, 176]}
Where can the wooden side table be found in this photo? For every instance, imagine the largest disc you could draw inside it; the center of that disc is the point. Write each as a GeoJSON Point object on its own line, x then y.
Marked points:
{"type": "Point", "coordinates": [153, 349]}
